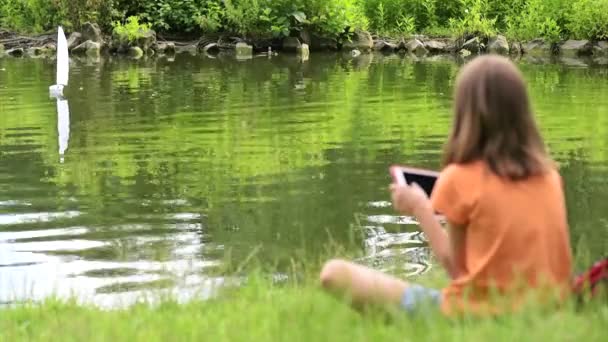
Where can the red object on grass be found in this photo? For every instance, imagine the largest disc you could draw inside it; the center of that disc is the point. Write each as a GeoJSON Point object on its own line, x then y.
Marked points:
{"type": "Point", "coordinates": [590, 279]}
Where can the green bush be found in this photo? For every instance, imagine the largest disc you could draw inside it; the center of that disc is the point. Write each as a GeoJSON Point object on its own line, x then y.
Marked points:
{"type": "Point", "coordinates": [45, 15]}
{"type": "Point", "coordinates": [475, 20]}
{"type": "Point", "coordinates": [248, 17]}
{"type": "Point", "coordinates": [385, 16]}
{"type": "Point", "coordinates": [130, 31]}
{"type": "Point", "coordinates": [30, 15]}
{"type": "Point", "coordinates": [589, 19]}
{"type": "Point", "coordinates": [520, 19]}
{"type": "Point", "coordinates": [537, 18]}
{"type": "Point", "coordinates": [335, 17]}
{"type": "Point", "coordinates": [171, 15]}
{"type": "Point", "coordinates": [211, 17]}
{"type": "Point", "coordinates": [80, 11]}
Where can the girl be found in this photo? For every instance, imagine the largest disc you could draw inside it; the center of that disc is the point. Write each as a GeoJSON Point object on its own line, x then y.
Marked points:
{"type": "Point", "coordinates": [501, 196]}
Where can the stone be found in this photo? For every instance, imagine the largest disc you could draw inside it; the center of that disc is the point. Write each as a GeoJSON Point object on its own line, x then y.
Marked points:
{"type": "Point", "coordinates": [90, 48]}
{"type": "Point", "coordinates": [601, 48]}
{"type": "Point", "coordinates": [74, 40]}
{"type": "Point", "coordinates": [318, 43]}
{"type": "Point", "coordinates": [416, 47]}
{"type": "Point", "coordinates": [465, 53]}
{"type": "Point", "coordinates": [573, 62]}
{"type": "Point", "coordinates": [355, 53]}
{"type": "Point", "coordinates": [305, 37]}
{"type": "Point", "coordinates": [34, 51]}
{"type": "Point", "coordinates": [211, 49]}
{"type": "Point", "coordinates": [244, 51]}
{"type": "Point", "coordinates": [379, 45]}
{"type": "Point", "coordinates": [385, 46]}
{"type": "Point", "coordinates": [538, 59]}
{"type": "Point", "coordinates": [537, 47]}
{"type": "Point", "coordinates": [402, 45]}
{"type": "Point", "coordinates": [190, 48]}
{"type": "Point", "coordinates": [473, 45]}
{"type": "Point", "coordinates": [117, 45]}
{"type": "Point", "coordinates": [499, 45]}
{"type": "Point", "coordinates": [262, 44]}
{"type": "Point", "coordinates": [435, 46]}
{"type": "Point", "coordinates": [81, 49]}
{"type": "Point", "coordinates": [136, 52]}
{"type": "Point", "coordinates": [600, 60]}
{"type": "Point", "coordinates": [49, 49]}
{"type": "Point", "coordinates": [575, 48]}
{"type": "Point", "coordinates": [120, 47]}
{"type": "Point", "coordinates": [450, 45]}
{"type": "Point", "coordinates": [146, 40]}
{"type": "Point", "coordinates": [361, 40]}
{"type": "Point", "coordinates": [16, 52]}
{"type": "Point", "coordinates": [516, 49]}
{"type": "Point", "coordinates": [170, 49]}
{"type": "Point", "coordinates": [92, 32]}
{"type": "Point", "coordinates": [304, 52]}
{"type": "Point", "coordinates": [166, 48]}
{"type": "Point", "coordinates": [291, 44]}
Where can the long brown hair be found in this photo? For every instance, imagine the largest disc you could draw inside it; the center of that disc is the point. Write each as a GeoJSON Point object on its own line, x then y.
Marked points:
{"type": "Point", "coordinates": [493, 121]}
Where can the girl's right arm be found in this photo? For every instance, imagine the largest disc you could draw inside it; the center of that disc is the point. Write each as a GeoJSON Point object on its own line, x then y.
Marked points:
{"type": "Point", "coordinates": [412, 200]}
{"type": "Point", "coordinates": [447, 248]}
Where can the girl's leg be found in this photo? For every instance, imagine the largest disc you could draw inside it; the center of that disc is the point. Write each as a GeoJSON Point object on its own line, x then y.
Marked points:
{"type": "Point", "coordinates": [363, 285]}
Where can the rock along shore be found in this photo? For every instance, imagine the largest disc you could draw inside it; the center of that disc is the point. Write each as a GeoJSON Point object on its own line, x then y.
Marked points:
{"type": "Point", "coordinates": [91, 42]}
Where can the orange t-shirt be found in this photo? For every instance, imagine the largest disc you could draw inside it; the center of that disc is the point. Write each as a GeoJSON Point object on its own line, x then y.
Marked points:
{"type": "Point", "coordinates": [516, 233]}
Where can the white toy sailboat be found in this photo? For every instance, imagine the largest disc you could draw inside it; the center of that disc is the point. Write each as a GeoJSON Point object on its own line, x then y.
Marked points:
{"type": "Point", "coordinates": [56, 91]}
{"type": "Point", "coordinates": [63, 65]}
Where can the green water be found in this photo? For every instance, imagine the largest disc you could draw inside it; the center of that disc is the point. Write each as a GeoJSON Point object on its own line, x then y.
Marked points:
{"type": "Point", "coordinates": [173, 167]}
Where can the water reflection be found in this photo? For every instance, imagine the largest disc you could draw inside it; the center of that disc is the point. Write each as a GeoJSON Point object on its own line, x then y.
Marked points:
{"type": "Point", "coordinates": [63, 126]}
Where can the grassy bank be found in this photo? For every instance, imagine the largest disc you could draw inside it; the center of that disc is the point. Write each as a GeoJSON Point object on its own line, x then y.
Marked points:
{"type": "Point", "coordinates": [263, 311]}
{"type": "Point", "coordinates": [517, 19]}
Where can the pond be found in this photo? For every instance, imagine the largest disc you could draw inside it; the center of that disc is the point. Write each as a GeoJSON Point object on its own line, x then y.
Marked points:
{"type": "Point", "coordinates": [165, 170]}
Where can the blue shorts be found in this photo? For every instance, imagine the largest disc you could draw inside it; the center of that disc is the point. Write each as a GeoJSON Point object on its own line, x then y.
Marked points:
{"type": "Point", "coordinates": [418, 298]}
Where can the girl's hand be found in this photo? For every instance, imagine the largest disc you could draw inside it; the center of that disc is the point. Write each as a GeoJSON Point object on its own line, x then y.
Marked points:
{"type": "Point", "coordinates": [409, 199]}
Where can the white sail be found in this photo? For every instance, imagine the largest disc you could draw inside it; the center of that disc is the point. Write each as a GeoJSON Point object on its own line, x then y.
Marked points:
{"type": "Point", "coordinates": [63, 59]}
{"type": "Point", "coordinates": [63, 126]}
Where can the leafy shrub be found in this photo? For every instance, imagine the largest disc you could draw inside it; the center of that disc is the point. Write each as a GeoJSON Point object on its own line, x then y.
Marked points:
{"type": "Point", "coordinates": [80, 11]}
{"type": "Point", "coordinates": [131, 30]}
{"type": "Point", "coordinates": [172, 15]}
{"type": "Point", "coordinates": [474, 20]}
{"type": "Point", "coordinates": [589, 19]}
{"type": "Point", "coordinates": [333, 18]}
{"type": "Point", "coordinates": [244, 16]}
{"type": "Point", "coordinates": [521, 19]}
{"type": "Point", "coordinates": [537, 18]}
{"type": "Point", "coordinates": [211, 18]}
{"type": "Point", "coordinates": [29, 16]}
{"type": "Point", "coordinates": [406, 25]}
{"type": "Point", "coordinates": [385, 16]}
{"type": "Point", "coordinates": [43, 15]}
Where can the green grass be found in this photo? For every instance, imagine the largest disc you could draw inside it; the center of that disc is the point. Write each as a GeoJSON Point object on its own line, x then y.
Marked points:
{"type": "Point", "coordinates": [263, 311]}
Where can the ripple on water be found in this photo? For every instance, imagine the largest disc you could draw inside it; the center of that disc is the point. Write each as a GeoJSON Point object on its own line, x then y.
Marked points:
{"type": "Point", "coordinates": [155, 255]}
{"type": "Point", "coordinates": [17, 219]}
{"type": "Point", "coordinates": [404, 253]}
